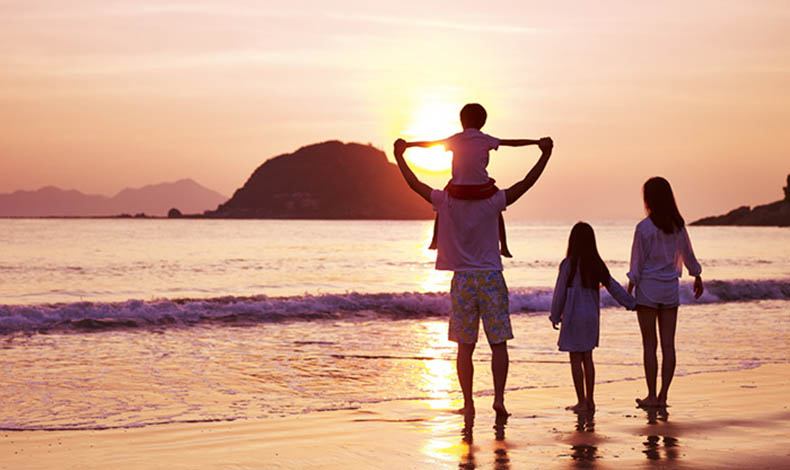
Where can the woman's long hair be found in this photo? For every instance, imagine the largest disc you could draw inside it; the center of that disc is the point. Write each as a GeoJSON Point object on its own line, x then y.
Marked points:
{"type": "Point", "coordinates": [583, 252]}
{"type": "Point", "coordinates": [661, 206]}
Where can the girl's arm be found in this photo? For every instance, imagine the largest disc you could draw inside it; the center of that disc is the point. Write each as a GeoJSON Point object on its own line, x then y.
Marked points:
{"type": "Point", "coordinates": [620, 295]}
{"type": "Point", "coordinates": [560, 288]}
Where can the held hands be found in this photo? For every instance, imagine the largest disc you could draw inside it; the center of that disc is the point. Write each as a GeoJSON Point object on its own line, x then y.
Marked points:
{"type": "Point", "coordinates": [546, 144]}
{"type": "Point", "coordinates": [399, 147]}
{"type": "Point", "coordinates": [698, 287]}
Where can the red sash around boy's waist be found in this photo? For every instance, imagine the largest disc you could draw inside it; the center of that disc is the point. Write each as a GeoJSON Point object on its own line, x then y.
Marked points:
{"type": "Point", "coordinates": [472, 191]}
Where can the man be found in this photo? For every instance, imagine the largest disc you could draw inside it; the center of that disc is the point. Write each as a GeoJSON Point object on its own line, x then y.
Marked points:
{"type": "Point", "coordinates": [469, 246]}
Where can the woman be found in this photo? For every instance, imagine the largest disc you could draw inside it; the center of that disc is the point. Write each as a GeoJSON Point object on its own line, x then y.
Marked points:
{"type": "Point", "coordinates": [661, 247]}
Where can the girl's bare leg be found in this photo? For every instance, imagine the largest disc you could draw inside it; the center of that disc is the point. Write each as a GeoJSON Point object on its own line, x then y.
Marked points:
{"type": "Point", "coordinates": [589, 380]}
{"type": "Point", "coordinates": [578, 381]}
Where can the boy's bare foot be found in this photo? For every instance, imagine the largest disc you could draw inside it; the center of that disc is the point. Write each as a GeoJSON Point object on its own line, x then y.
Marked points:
{"type": "Point", "coordinates": [505, 252]}
{"type": "Point", "coordinates": [501, 411]}
{"type": "Point", "coordinates": [647, 402]}
{"type": "Point", "coordinates": [577, 408]}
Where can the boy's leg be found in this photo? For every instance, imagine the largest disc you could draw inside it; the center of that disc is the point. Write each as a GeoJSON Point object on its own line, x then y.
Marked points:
{"type": "Point", "coordinates": [589, 379]}
{"type": "Point", "coordinates": [500, 362]}
{"type": "Point", "coordinates": [435, 239]}
{"type": "Point", "coordinates": [647, 325]}
{"type": "Point", "coordinates": [667, 323]}
{"type": "Point", "coordinates": [466, 371]}
{"type": "Point", "coordinates": [503, 249]}
{"type": "Point", "coordinates": [578, 380]}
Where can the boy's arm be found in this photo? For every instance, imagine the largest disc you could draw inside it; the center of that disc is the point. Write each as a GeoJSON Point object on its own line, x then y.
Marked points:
{"type": "Point", "coordinates": [517, 190]}
{"type": "Point", "coordinates": [517, 142]}
{"type": "Point", "coordinates": [424, 143]}
{"type": "Point", "coordinates": [411, 179]}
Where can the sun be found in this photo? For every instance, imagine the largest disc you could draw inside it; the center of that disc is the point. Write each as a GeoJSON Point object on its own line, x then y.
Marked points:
{"type": "Point", "coordinates": [432, 121]}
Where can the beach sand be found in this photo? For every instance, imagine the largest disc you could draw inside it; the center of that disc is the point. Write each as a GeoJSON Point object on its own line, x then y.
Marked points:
{"type": "Point", "coordinates": [718, 420]}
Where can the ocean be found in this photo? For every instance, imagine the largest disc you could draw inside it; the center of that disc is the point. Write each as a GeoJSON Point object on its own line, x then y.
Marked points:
{"type": "Point", "coordinates": [108, 323]}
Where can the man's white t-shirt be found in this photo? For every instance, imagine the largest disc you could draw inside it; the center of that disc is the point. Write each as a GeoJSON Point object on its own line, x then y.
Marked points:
{"type": "Point", "coordinates": [468, 232]}
{"type": "Point", "coordinates": [470, 155]}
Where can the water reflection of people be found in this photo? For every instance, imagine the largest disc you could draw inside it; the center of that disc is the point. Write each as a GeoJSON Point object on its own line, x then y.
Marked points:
{"type": "Point", "coordinates": [583, 453]}
{"type": "Point", "coordinates": [653, 447]}
{"type": "Point", "coordinates": [501, 457]}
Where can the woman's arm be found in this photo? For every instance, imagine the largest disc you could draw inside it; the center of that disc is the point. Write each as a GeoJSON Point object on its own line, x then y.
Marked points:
{"type": "Point", "coordinates": [695, 269]}
{"type": "Point", "coordinates": [636, 261]}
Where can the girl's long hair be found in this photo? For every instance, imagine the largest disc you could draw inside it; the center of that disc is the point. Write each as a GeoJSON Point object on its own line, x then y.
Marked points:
{"type": "Point", "coordinates": [583, 252]}
{"type": "Point", "coordinates": [661, 206]}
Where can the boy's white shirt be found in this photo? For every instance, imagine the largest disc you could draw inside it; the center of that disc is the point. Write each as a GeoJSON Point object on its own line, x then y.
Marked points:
{"type": "Point", "coordinates": [470, 155]}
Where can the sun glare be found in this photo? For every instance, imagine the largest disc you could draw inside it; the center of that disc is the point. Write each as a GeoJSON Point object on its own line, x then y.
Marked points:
{"type": "Point", "coordinates": [433, 120]}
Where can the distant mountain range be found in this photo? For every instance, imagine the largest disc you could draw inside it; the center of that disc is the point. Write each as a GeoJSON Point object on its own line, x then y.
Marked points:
{"type": "Point", "coordinates": [156, 200]}
{"type": "Point", "coordinates": [773, 214]}
{"type": "Point", "coordinates": [329, 180]}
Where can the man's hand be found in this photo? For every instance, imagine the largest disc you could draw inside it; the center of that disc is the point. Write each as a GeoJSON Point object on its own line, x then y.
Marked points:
{"type": "Point", "coordinates": [399, 147]}
{"type": "Point", "coordinates": [546, 144]}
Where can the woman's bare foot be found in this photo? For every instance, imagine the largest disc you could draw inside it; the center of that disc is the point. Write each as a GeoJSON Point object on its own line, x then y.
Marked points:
{"type": "Point", "coordinates": [590, 406]}
{"type": "Point", "coordinates": [501, 411]}
{"type": "Point", "coordinates": [647, 402]}
{"type": "Point", "coordinates": [577, 408]}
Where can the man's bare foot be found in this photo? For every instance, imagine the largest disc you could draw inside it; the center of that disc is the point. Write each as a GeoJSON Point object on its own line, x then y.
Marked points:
{"type": "Point", "coordinates": [501, 411]}
{"type": "Point", "coordinates": [577, 408]}
{"type": "Point", "coordinates": [468, 411]}
{"type": "Point", "coordinates": [647, 402]}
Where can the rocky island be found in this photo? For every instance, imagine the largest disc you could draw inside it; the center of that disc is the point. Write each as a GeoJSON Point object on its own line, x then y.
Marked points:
{"type": "Point", "coordinates": [329, 180]}
{"type": "Point", "coordinates": [773, 214]}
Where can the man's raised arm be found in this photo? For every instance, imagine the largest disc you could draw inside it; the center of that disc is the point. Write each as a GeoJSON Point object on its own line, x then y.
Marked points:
{"type": "Point", "coordinates": [411, 179]}
{"type": "Point", "coordinates": [517, 190]}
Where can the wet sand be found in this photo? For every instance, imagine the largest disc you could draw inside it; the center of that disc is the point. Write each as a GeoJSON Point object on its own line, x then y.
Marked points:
{"type": "Point", "coordinates": [724, 420]}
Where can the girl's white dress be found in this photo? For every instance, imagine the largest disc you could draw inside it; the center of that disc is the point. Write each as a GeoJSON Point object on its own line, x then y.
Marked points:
{"type": "Point", "coordinates": [579, 309]}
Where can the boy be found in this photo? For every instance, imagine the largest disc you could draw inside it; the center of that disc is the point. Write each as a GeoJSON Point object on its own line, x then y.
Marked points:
{"type": "Point", "coordinates": [470, 149]}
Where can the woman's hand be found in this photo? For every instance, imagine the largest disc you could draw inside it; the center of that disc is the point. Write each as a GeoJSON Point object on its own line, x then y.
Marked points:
{"type": "Point", "coordinates": [554, 325]}
{"type": "Point", "coordinates": [630, 287]}
{"type": "Point", "coordinates": [698, 287]}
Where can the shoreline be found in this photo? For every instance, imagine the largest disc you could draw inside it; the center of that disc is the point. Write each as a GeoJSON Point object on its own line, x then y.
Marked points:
{"type": "Point", "coordinates": [716, 420]}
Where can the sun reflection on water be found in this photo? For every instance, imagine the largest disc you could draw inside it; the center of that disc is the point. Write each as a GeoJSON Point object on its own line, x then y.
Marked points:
{"type": "Point", "coordinates": [431, 280]}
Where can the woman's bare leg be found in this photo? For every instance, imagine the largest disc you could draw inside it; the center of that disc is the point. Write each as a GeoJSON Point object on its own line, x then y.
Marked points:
{"type": "Point", "coordinates": [667, 323]}
{"type": "Point", "coordinates": [647, 325]}
{"type": "Point", "coordinates": [578, 381]}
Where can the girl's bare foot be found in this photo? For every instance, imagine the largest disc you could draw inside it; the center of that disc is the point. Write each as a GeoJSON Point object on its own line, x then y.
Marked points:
{"type": "Point", "coordinates": [647, 402]}
{"type": "Point", "coordinates": [501, 411]}
{"type": "Point", "coordinates": [577, 408]}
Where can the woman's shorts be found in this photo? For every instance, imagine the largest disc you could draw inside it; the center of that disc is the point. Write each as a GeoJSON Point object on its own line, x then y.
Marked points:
{"type": "Point", "coordinates": [479, 295]}
{"type": "Point", "coordinates": [657, 294]}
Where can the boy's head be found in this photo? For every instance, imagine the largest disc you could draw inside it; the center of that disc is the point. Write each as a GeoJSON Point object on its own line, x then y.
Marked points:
{"type": "Point", "coordinates": [473, 116]}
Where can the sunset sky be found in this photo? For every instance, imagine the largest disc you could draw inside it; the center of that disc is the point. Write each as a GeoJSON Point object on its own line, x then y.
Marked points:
{"type": "Point", "coordinates": [97, 95]}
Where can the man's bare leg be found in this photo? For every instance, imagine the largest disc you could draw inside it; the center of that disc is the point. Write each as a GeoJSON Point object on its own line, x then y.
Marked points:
{"type": "Point", "coordinates": [466, 371]}
{"type": "Point", "coordinates": [499, 366]}
{"type": "Point", "coordinates": [667, 323]}
{"type": "Point", "coordinates": [647, 325]}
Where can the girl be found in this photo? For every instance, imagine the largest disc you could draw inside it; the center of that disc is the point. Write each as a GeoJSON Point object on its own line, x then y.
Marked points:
{"type": "Point", "coordinates": [661, 247]}
{"type": "Point", "coordinates": [576, 304]}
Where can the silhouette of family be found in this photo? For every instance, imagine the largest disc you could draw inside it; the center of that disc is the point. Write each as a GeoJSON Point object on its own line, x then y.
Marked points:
{"type": "Point", "coordinates": [470, 237]}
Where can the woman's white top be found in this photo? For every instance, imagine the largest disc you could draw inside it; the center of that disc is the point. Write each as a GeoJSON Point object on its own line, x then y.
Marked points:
{"type": "Point", "coordinates": [578, 308]}
{"type": "Point", "coordinates": [659, 256]}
